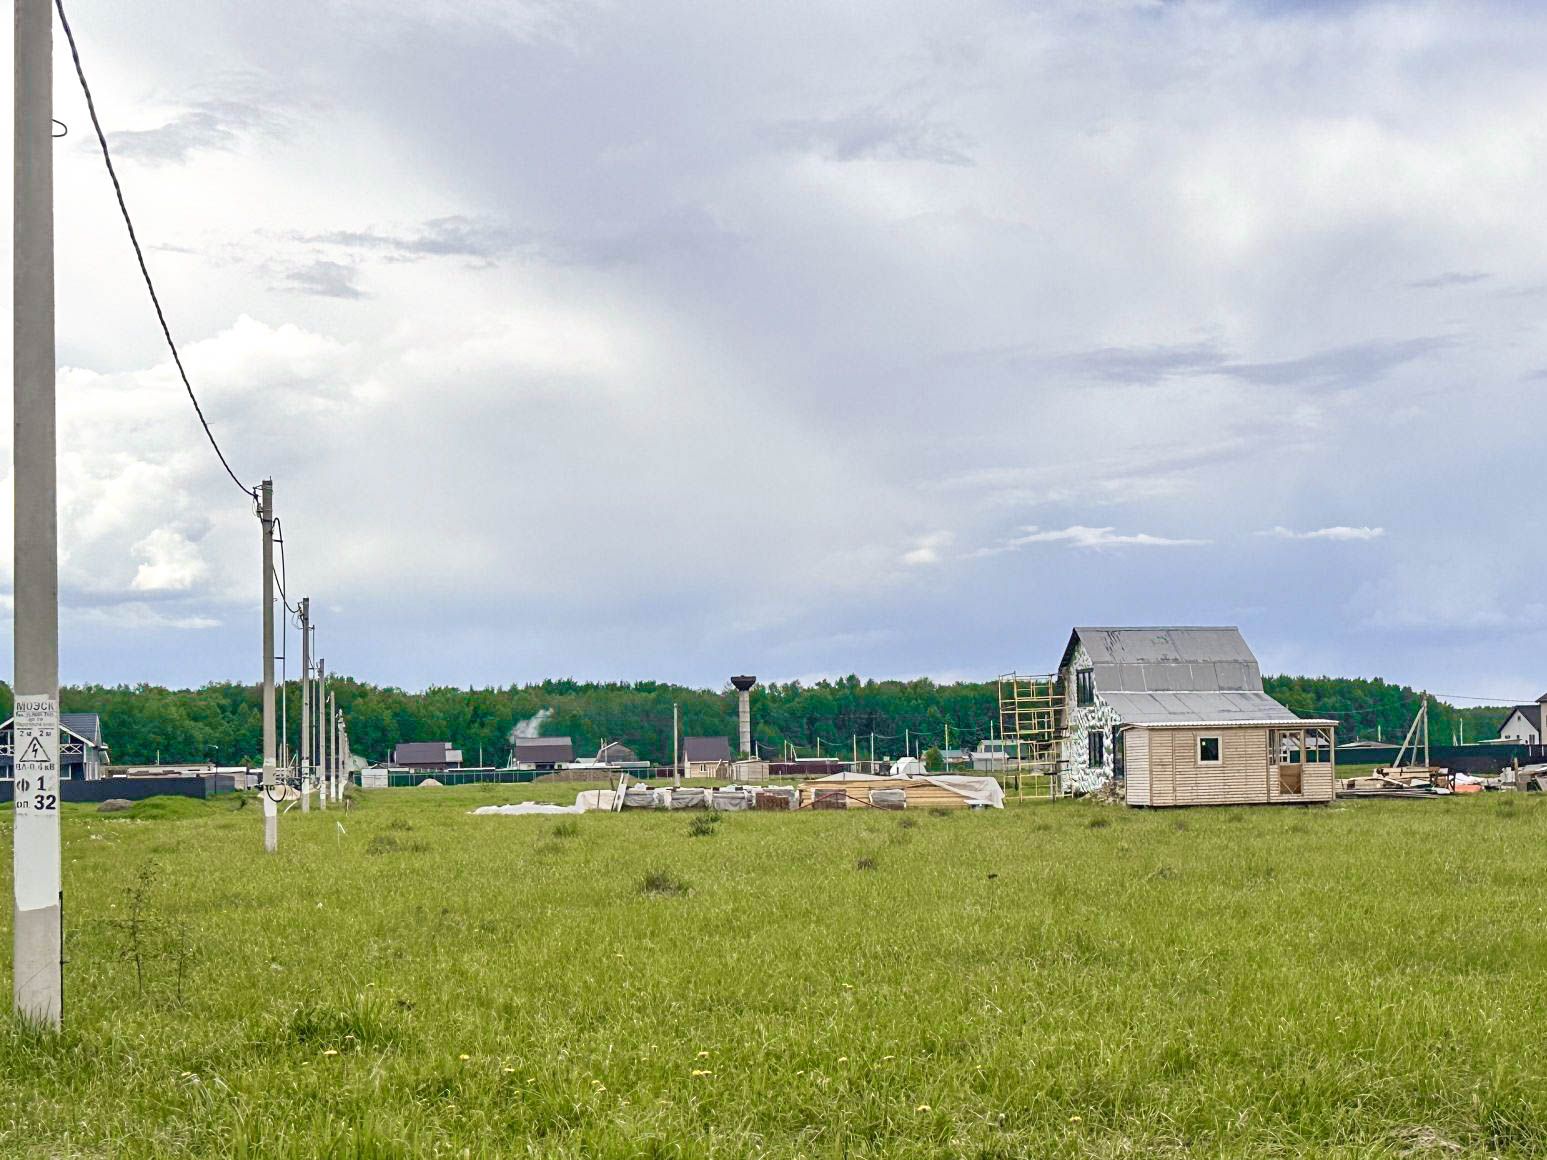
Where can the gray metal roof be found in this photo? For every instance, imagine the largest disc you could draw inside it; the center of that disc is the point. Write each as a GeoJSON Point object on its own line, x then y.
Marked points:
{"type": "Point", "coordinates": [1178, 676]}
{"type": "Point", "coordinates": [1208, 708]}
{"type": "Point", "coordinates": [423, 753]}
{"type": "Point", "coordinates": [1170, 660]}
{"type": "Point", "coordinates": [706, 749]}
{"type": "Point", "coordinates": [544, 750]}
{"type": "Point", "coordinates": [616, 751]}
{"type": "Point", "coordinates": [86, 726]}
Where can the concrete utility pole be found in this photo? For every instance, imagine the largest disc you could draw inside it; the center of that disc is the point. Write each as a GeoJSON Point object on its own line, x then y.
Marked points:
{"type": "Point", "coordinates": [270, 807]}
{"type": "Point", "coordinates": [338, 744]}
{"type": "Point", "coordinates": [322, 719]}
{"type": "Point", "coordinates": [676, 750]}
{"type": "Point", "coordinates": [37, 980]}
{"type": "Point", "coordinates": [306, 692]}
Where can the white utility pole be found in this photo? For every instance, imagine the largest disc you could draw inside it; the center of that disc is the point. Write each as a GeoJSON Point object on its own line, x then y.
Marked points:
{"type": "Point", "coordinates": [304, 773]}
{"type": "Point", "coordinates": [338, 742]}
{"type": "Point", "coordinates": [322, 720]}
{"type": "Point", "coordinates": [676, 749]}
{"type": "Point", "coordinates": [306, 691]}
{"type": "Point", "coordinates": [37, 980]}
{"type": "Point", "coordinates": [270, 807]}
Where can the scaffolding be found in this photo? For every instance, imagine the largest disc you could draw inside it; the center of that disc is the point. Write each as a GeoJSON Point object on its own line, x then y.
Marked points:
{"type": "Point", "coordinates": [1031, 721]}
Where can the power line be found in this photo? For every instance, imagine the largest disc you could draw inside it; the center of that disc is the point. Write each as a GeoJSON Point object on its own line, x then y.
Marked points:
{"type": "Point", "coordinates": [139, 254]}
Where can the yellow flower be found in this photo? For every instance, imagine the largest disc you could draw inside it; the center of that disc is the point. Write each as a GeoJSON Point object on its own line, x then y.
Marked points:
{"type": "Point", "coordinates": [698, 1071]}
{"type": "Point", "coordinates": [331, 1051]}
{"type": "Point", "coordinates": [464, 1057]}
{"type": "Point", "coordinates": [508, 1070]}
{"type": "Point", "coordinates": [703, 1055]}
{"type": "Point", "coordinates": [1074, 1119]}
{"type": "Point", "coordinates": [843, 1059]}
{"type": "Point", "coordinates": [922, 1108]}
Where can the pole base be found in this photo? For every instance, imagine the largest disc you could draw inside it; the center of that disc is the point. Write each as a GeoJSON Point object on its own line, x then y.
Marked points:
{"type": "Point", "coordinates": [38, 979]}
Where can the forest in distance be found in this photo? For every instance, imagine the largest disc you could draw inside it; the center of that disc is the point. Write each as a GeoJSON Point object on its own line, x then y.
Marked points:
{"type": "Point", "coordinates": [222, 723]}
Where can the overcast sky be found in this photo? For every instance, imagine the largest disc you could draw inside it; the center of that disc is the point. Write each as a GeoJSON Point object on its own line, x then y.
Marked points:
{"type": "Point", "coordinates": [669, 340]}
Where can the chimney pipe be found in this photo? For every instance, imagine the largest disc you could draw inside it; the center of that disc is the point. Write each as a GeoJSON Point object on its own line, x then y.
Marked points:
{"type": "Point", "coordinates": [743, 686]}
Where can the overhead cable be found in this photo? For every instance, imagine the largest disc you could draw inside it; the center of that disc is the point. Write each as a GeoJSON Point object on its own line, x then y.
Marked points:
{"type": "Point", "coordinates": [139, 254]}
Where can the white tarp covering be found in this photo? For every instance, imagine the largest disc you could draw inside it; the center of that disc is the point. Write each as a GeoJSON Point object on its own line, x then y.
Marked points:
{"type": "Point", "coordinates": [979, 791]}
{"type": "Point", "coordinates": [531, 808]}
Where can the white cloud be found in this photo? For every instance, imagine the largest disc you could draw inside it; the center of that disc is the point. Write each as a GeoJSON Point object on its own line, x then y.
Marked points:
{"type": "Point", "coordinates": [927, 549]}
{"type": "Point", "coordinates": [169, 562]}
{"type": "Point", "coordinates": [1337, 532]}
{"type": "Point", "coordinates": [1080, 536]}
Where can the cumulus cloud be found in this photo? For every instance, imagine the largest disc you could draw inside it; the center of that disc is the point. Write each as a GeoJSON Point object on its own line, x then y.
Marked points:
{"type": "Point", "coordinates": [169, 562]}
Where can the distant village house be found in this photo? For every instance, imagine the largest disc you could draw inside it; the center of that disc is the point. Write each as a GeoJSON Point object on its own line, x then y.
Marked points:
{"type": "Point", "coordinates": [1525, 723]}
{"type": "Point", "coordinates": [426, 755]}
{"type": "Point", "coordinates": [542, 753]}
{"type": "Point", "coordinates": [82, 756]}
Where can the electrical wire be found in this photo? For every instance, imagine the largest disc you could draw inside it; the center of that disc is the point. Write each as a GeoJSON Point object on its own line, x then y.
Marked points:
{"type": "Point", "coordinates": [139, 254]}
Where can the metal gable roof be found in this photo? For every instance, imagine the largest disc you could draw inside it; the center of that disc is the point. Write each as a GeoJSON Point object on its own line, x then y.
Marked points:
{"type": "Point", "coordinates": [1169, 659]}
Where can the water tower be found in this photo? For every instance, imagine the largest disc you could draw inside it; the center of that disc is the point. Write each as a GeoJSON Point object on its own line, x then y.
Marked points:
{"type": "Point", "coordinates": [743, 687]}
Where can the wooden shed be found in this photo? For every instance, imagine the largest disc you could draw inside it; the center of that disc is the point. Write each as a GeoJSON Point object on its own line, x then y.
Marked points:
{"type": "Point", "coordinates": [1178, 716]}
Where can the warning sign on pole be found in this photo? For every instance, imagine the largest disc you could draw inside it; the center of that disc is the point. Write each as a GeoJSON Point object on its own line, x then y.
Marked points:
{"type": "Point", "coordinates": [36, 773]}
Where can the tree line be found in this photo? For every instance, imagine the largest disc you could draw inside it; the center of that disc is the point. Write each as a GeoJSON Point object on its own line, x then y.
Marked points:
{"type": "Point", "coordinates": [222, 723]}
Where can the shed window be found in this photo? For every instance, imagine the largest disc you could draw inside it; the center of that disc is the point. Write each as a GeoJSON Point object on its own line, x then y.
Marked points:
{"type": "Point", "coordinates": [1208, 751]}
{"type": "Point", "coordinates": [1085, 687]}
{"type": "Point", "coordinates": [1119, 758]}
{"type": "Point", "coordinates": [1097, 741]}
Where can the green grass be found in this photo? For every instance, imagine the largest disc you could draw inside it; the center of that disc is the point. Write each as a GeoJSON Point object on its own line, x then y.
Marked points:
{"type": "Point", "coordinates": [1363, 980]}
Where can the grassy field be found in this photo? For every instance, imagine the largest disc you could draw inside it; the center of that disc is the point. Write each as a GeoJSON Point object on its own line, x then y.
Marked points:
{"type": "Point", "coordinates": [1056, 979]}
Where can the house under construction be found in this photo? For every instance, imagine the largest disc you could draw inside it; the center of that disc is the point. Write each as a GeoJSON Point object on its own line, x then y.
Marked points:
{"type": "Point", "coordinates": [1168, 716]}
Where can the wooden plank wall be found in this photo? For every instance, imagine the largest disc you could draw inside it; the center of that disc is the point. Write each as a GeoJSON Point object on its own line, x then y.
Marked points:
{"type": "Point", "coordinates": [1177, 778]}
{"type": "Point", "coordinates": [1136, 761]}
{"type": "Point", "coordinates": [921, 795]}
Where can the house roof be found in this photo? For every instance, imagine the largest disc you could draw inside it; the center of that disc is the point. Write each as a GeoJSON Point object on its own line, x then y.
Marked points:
{"type": "Point", "coordinates": [545, 749]}
{"type": "Point", "coordinates": [616, 751]}
{"type": "Point", "coordinates": [424, 753]}
{"type": "Point", "coordinates": [1532, 714]}
{"type": "Point", "coordinates": [85, 726]}
{"type": "Point", "coordinates": [706, 749]}
{"type": "Point", "coordinates": [1179, 676]}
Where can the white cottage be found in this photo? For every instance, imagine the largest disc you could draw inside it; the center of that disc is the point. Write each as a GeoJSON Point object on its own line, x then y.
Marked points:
{"type": "Point", "coordinates": [1178, 716]}
{"type": "Point", "coordinates": [1524, 723]}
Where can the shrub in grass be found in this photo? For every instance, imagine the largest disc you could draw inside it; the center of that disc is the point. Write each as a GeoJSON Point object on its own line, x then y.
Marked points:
{"type": "Point", "coordinates": [703, 825]}
{"type": "Point", "coordinates": [568, 828]}
{"type": "Point", "coordinates": [402, 825]}
{"type": "Point", "coordinates": [363, 1023]}
{"type": "Point", "coordinates": [1100, 823]}
{"type": "Point", "coordinates": [387, 844]}
{"type": "Point", "coordinates": [663, 884]}
{"type": "Point", "coordinates": [866, 863]}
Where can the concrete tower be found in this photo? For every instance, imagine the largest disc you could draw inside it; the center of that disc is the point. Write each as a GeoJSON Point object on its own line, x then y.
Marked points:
{"type": "Point", "coordinates": [744, 696]}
